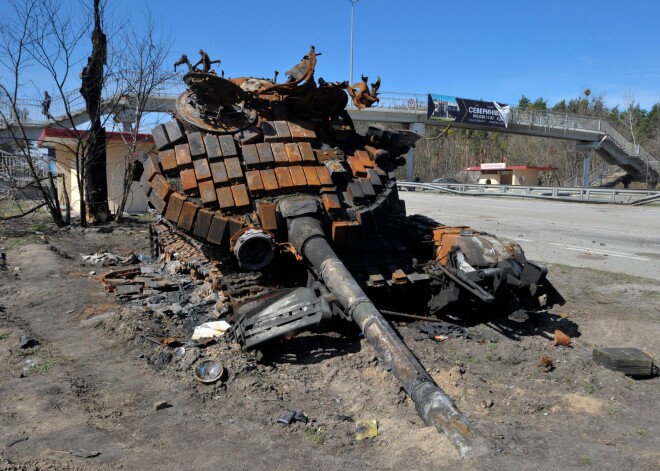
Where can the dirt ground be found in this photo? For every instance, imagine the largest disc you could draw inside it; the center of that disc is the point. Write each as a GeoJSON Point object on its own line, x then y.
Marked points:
{"type": "Point", "coordinates": [93, 380]}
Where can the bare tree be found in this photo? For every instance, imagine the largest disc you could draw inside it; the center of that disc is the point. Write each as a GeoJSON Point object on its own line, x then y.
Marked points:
{"type": "Point", "coordinates": [20, 34]}
{"type": "Point", "coordinates": [96, 182]}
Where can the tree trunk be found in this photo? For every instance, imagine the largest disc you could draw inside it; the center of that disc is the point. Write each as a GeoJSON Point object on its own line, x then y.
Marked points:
{"type": "Point", "coordinates": [96, 183]}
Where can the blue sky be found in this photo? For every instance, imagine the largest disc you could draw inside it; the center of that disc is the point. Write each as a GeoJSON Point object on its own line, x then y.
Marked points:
{"type": "Point", "coordinates": [495, 50]}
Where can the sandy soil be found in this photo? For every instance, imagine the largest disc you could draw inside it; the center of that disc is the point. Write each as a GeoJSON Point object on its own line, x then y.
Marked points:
{"type": "Point", "coordinates": [93, 381]}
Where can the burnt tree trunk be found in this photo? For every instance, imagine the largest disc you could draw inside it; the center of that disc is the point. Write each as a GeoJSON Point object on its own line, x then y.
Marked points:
{"type": "Point", "coordinates": [96, 183]}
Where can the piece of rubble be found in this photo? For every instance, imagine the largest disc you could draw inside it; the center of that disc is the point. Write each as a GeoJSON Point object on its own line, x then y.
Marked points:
{"type": "Point", "coordinates": [82, 453]}
{"type": "Point", "coordinates": [210, 330]}
{"type": "Point", "coordinates": [27, 342]}
{"type": "Point", "coordinates": [161, 405]}
{"type": "Point", "coordinates": [545, 363]}
{"type": "Point", "coordinates": [561, 339]}
{"type": "Point", "coordinates": [366, 429]}
{"type": "Point", "coordinates": [629, 361]}
{"type": "Point", "coordinates": [293, 416]}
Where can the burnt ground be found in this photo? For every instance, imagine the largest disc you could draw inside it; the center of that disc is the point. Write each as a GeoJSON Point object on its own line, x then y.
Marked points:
{"type": "Point", "coordinates": [93, 381]}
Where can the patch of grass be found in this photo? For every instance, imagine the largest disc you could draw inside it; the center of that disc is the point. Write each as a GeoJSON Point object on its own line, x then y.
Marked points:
{"type": "Point", "coordinates": [471, 359]}
{"type": "Point", "coordinates": [41, 368]}
{"type": "Point", "coordinates": [587, 461]}
{"type": "Point", "coordinates": [640, 433]}
{"type": "Point", "coordinates": [16, 242]}
{"type": "Point", "coordinates": [4, 335]}
{"type": "Point", "coordinates": [314, 436]}
{"type": "Point", "coordinates": [588, 387]}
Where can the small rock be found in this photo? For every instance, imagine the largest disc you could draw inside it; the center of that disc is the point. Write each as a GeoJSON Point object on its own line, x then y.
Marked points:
{"type": "Point", "coordinates": [91, 273]}
{"type": "Point", "coordinates": [164, 359]}
{"type": "Point", "coordinates": [82, 453]}
{"type": "Point", "coordinates": [456, 372]}
{"type": "Point", "coordinates": [487, 404]}
{"type": "Point", "coordinates": [27, 342]}
{"type": "Point", "coordinates": [161, 405]}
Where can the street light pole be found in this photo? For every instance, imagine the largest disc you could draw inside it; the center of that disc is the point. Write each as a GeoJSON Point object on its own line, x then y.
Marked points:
{"type": "Point", "coordinates": [353, 2]}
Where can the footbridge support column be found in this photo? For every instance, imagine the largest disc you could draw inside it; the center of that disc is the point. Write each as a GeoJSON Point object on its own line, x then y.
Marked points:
{"type": "Point", "coordinates": [587, 148]}
{"type": "Point", "coordinates": [586, 170]}
{"type": "Point", "coordinates": [419, 128]}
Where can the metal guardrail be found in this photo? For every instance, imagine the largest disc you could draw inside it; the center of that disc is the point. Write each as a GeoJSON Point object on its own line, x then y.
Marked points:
{"type": "Point", "coordinates": [16, 168]}
{"type": "Point", "coordinates": [584, 195]}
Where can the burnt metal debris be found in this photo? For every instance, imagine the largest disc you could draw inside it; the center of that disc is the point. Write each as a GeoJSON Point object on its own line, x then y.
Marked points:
{"type": "Point", "coordinates": [267, 191]}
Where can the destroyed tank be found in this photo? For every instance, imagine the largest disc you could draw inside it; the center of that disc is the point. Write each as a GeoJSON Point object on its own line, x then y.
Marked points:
{"type": "Point", "coordinates": [268, 192]}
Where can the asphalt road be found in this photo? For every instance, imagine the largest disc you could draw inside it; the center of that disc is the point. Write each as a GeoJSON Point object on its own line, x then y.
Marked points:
{"type": "Point", "coordinates": [622, 239]}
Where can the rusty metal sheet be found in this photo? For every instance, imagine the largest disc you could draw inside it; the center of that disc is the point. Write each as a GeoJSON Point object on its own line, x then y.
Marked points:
{"type": "Point", "coordinates": [212, 145]}
{"type": "Point", "coordinates": [279, 154]}
{"type": "Point", "coordinates": [196, 145]}
{"type": "Point", "coordinates": [207, 192]}
{"type": "Point", "coordinates": [312, 177]}
{"type": "Point", "coordinates": [266, 158]}
{"type": "Point", "coordinates": [293, 153]}
{"type": "Point", "coordinates": [324, 176]}
{"type": "Point", "coordinates": [174, 206]}
{"type": "Point", "coordinates": [157, 203]}
{"type": "Point", "coordinates": [203, 223]}
{"type": "Point", "coordinates": [228, 146]}
{"type": "Point", "coordinates": [161, 139]}
{"type": "Point", "coordinates": [161, 187]}
{"type": "Point", "coordinates": [267, 216]}
{"type": "Point", "coordinates": [296, 130]}
{"type": "Point", "coordinates": [240, 194]}
{"type": "Point", "coordinates": [356, 166]}
{"type": "Point", "coordinates": [254, 182]}
{"type": "Point", "coordinates": [175, 131]}
{"type": "Point", "coordinates": [282, 129]}
{"type": "Point", "coordinates": [307, 153]}
{"type": "Point", "coordinates": [269, 180]}
{"type": "Point", "coordinates": [234, 170]}
{"type": "Point", "coordinates": [298, 176]}
{"type": "Point", "coordinates": [187, 215]}
{"type": "Point", "coordinates": [189, 181]}
{"type": "Point", "coordinates": [217, 229]}
{"type": "Point", "coordinates": [202, 170]}
{"type": "Point", "coordinates": [225, 197]}
{"type": "Point", "coordinates": [219, 172]}
{"type": "Point", "coordinates": [168, 161]}
{"type": "Point", "coordinates": [269, 131]}
{"type": "Point", "coordinates": [284, 178]}
{"type": "Point", "coordinates": [364, 159]}
{"type": "Point", "coordinates": [183, 158]}
{"type": "Point", "coordinates": [250, 156]}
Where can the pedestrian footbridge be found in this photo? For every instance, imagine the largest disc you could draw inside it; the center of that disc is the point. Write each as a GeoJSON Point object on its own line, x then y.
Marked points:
{"type": "Point", "coordinates": [590, 134]}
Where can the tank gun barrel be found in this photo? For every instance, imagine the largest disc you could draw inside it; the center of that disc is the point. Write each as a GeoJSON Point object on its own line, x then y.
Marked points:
{"type": "Point", "coordinates": [433, 405]}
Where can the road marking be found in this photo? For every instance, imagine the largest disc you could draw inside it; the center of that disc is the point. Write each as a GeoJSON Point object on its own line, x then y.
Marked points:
{"type": "Point", "coordinates": [518, 238]}
{"type": "Point", "coordinates": [600, 252]}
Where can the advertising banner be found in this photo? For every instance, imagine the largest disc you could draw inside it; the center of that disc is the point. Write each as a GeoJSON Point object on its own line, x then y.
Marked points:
{"type": "Point", "coordinates": [463, 110]}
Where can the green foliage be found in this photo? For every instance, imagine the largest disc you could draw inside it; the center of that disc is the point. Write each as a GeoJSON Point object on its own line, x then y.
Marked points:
{"type": "Point", "coordinates": [314, 436]}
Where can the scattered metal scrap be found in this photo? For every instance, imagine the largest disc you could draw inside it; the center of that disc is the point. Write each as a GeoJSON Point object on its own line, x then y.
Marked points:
{"type": "Point", "coordinates": [136, 283]}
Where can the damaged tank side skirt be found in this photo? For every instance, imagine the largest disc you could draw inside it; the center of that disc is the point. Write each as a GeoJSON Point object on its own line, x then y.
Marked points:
{"type": "Point", "coordinates": [266, 190]}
